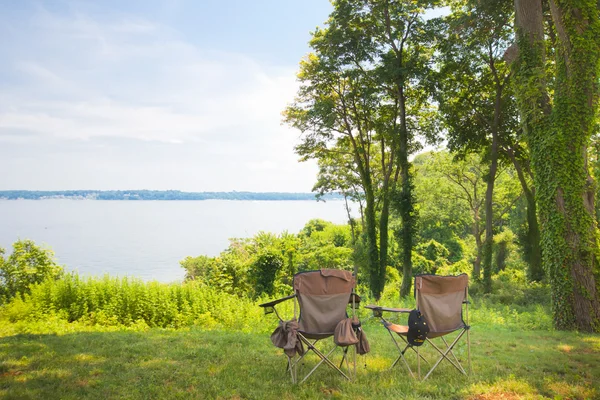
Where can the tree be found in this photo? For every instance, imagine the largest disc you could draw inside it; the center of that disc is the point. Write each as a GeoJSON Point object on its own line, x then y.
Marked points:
{"type": "Point", "coordinates": [442, 217]}
{"type": "Point", "coordinates": [457, 185]}
{"type": "Point", "coordinates": [402, 37]}
{"type": "Point", "coordinates": [558, 133]}
{"type": "Point", "coordinates": [338, 109]}
{"type": "Point", "coordinates": [362, 97]}
{"type": "Point", "coordinates": [27, 264]}
{"type": "Point", "coordinates": [474, 94]}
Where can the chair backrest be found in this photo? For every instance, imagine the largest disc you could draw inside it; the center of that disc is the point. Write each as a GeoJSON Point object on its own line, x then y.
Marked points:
{"type": "Point", "coordinates": [440, 299]}
{"type": "Point", "coordinates": [323, 296]}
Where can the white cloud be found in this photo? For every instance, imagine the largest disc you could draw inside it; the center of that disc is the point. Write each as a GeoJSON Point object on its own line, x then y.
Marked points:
{"type": "Point", "coordinates": [74, 78]}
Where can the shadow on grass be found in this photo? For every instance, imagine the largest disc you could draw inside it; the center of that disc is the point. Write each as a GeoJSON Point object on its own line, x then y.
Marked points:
{"type": "Point", "coordinates": [215, 364]}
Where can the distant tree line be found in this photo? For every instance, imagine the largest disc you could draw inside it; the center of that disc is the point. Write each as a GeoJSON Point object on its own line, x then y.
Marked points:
{"type": "Point", "coordinates": [157, 195]}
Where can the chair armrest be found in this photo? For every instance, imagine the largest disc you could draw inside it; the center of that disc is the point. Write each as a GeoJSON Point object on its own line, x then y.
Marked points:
{"type": "Point", "coordinates": [378, 310]}
{"type": "Point", "coordinates": [388, 309]}
{"type": "Point", "coordinates": [275, 302]}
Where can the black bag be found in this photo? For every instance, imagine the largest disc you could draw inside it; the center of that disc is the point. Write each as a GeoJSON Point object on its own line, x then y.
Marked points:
{"type": "Point", "coordinates": [417, 328]}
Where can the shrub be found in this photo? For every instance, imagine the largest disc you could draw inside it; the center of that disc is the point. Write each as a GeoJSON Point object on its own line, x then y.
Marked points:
{"type": "Point", "coordinates": [128, 301]}
{"type": "Point", "coordinates": [27, 264]}
{"type": "Point", "coordinates": [264, 270]}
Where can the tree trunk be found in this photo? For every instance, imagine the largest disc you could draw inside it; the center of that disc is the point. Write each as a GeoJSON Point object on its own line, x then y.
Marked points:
{"type": "Point", "coordinates": [535, 272]}
{"type": "Point", "coordinates": [406, 205]}
{"type": "Point", "coordinates": [383, 232]}
{"type": "Point", "coordinates": [372, 251]}
{"type": "Point", "coordinates": [408, 222]}
{"type": "Point", "coordinates": [352, 233]}
{"type": "Point", "coordinates": [558, 139]}
{"type": "Point", "coordinates": [489, 195]}
{"type": "Point", "coordinates": [479, 245]}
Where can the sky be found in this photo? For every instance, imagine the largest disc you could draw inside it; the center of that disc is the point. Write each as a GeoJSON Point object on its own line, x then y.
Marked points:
{"type": "Point", "coordinates": [152, 94]}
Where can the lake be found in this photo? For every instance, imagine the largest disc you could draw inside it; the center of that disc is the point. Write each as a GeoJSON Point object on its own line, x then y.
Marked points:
{"type": "Point", "coordinates": [147, 239]}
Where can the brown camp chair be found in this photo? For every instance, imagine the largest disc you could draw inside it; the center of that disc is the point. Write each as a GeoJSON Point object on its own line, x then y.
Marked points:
{"type": "Point", "coordinates": [440, 299]}
{"type": "Point", "coordinates": [323, 297]}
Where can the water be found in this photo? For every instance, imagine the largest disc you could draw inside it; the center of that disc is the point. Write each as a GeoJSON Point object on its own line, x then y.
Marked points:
{"type": "Point", "coordinates": [147, 239]}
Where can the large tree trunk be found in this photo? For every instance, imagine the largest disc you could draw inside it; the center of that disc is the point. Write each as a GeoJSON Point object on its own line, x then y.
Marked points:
{"type": "Point", "coordinates": [383, 232]}
{"type": "Point", "coordinates": [372, 251]}
{"type": "Point", "coordinates": [408, 223]}
{"type": "Point", "coordinates": [406, 203]}
{"type": "Point", "coordinates": [558, 139]}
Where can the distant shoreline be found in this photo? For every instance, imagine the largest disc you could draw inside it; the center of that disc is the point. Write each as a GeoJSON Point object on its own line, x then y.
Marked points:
{"type": "Point", "coordinates": [140, 195]}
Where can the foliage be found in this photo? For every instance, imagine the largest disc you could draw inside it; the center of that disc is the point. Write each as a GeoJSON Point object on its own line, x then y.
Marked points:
{"type": "Point", "coordinates": [451, 203]}
{"type": "Point", "coordinates": [264, 269]}
{"type": "Point", "coordinates": [558, 122]}
{"type": "Point", "coordinates": [26, 265]}
{"type": "Point", "coordinates": [266, 262]}
{"type": "Point", "coordinates": [360, 107]}
{"type": "Point", "coordinates": [503, 244]}
{"type": "Point", "coordinates": [128, 301]}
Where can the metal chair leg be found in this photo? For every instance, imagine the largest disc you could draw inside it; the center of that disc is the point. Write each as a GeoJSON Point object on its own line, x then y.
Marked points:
{"type": "Point", "coordinates": [445, 355]}
{"type": "Point", "coordinates": [401, 356]}
{"type": "Point", "coordinates": [324, 359]}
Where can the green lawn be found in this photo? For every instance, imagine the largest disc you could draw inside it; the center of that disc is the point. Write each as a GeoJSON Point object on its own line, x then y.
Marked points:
{"type": "Point", "coordinates": [192, 363]}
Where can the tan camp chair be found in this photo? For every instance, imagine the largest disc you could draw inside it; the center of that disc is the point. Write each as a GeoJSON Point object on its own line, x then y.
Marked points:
{"type": "Point", "coordinates": [440, 299]}
{"type": "Point", "coordinates": [323, 297]}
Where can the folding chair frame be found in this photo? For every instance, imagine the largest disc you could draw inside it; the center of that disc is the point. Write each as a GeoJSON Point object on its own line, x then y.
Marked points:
{"type": "Point", "coordinates": [378, 312]}
{"type": "Point", "coordinates": [292, 362]}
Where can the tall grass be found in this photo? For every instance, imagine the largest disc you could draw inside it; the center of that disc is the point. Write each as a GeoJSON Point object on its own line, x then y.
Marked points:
{"type": "Point", "coordinates": [130, 302]}
{"type": "Point", "coordinates": [127, 301]}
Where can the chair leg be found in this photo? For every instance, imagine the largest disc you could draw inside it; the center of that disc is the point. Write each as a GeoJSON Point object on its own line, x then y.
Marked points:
{"type": "Point", "coordinates": [292, 369]}
{"type": "Point", "coordinates": [444, 355]}
{"type": "Point", "coordinates": [321, 362]}
{"type": "Point", "coordinates": [401, 356]}
{"type": "Point", "coordinates": [344, 357]}
{"type": "Point", "coordinates": [419, 362]}
{"type": "Point", "coordinates": [415, 350]}
{"type": "Point", "coordinates": [302, 356]}
{"type": "Point", "coordinates": [324, 359]}
{"type": "Point", "coordinates": [354, 356]}
{"type": "Point", "coordinates": [454, 356]}
{"type": "Point", "coordinates": [469, 352]}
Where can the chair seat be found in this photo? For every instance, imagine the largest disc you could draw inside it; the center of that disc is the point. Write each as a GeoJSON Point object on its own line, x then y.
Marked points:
{"type": "Point", "coordinates": [403, 330]}
{"type": "Point", "coordinates": [399, 329]}
{"type": "Point", "coordinates": [310, 335]}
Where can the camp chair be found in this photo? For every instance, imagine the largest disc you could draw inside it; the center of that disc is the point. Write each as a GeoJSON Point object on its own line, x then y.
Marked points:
{"type": "Point", "coordinates": [323, 297]}
{"type": "Point", "coordinates": [440, 299]}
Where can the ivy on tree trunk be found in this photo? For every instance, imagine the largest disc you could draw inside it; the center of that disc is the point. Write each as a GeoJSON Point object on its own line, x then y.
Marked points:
{"type": "Point", "coordinates": [558, 135]}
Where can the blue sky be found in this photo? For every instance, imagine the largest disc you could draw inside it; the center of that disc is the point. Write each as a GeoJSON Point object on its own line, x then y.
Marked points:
{"type": "Point", "coordinates": [135, 94]}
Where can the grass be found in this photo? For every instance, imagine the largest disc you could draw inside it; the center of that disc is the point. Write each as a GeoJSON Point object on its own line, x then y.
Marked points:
{"type": "Point", "coordinates": [58, 360]}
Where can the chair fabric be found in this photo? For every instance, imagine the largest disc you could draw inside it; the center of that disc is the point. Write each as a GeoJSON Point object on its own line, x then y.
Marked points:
{"type": "Point", "coordinates": [285, 337]}
{"type": "Point", "coordinates": [323, 296]}
{"type": "Point", "coordinates": [440, 299]}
